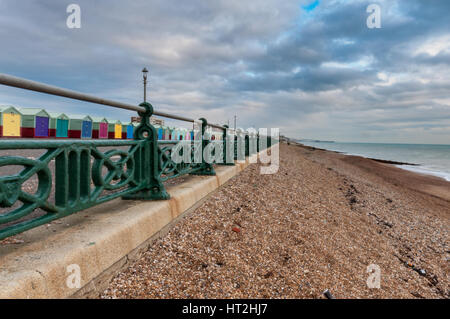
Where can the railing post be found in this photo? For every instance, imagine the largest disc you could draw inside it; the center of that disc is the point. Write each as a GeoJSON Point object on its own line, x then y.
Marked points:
{"type": "Point", "coordinates": [252, 142]}
{"type": "Point", "coordinates": [239, 145]}
{"type": "Point", "coordinates": [147, 159]}
{"type": "Point", "coordinates": [206, 168]}
{"type": "Point", "coordinates": [257, 143]}
{"type": "Point", "coordinates": [226, 148]}
{"type": "Point", "coordinates": [247, 144]}
{"type": "Point", "coordinates": [235, 145]}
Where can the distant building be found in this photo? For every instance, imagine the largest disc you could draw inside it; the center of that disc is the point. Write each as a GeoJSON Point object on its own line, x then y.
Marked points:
{"type": "Point", "coordinates": [156, 121]}
{"type": "Point", "coordinates": [153, 120]}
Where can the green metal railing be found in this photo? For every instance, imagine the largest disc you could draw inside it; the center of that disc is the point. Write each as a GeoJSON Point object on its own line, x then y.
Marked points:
{"type": "Point", "coordinates": [73, 175]}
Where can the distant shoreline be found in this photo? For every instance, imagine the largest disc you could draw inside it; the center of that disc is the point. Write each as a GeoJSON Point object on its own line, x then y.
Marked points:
{"type": "Point", "coordinates": [389, 162]}
{"type": "Point", "coordinates": [374, 159]}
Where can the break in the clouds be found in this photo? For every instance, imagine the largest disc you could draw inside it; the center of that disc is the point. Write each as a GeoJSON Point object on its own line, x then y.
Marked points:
{"type": "Point", "coordinates": [311, 68]}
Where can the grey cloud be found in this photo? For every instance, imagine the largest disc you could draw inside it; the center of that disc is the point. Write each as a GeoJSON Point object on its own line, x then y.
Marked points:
{"type": "Point", "coordinates": [314, 75]}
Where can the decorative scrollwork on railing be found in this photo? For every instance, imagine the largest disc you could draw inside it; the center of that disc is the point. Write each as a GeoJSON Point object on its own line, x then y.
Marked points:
{"type": "Point", "coordinates": [116, 169]}
{"type": "Point", "coordinates": [168, 168]}
{"type": "Point", "coordinates": [11, 187]}
{"type": "Point", "coordinates": [83, 177]}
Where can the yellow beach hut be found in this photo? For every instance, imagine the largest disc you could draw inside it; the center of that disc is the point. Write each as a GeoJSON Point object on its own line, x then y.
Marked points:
{"type": "Point", "coordinates": [114, 129]}
{"type": "Point", "coordinates": [10, 121]}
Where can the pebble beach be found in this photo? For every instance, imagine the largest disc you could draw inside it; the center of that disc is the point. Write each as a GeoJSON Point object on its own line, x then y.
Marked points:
{"type": "Point", "coordinates": [317, 224]}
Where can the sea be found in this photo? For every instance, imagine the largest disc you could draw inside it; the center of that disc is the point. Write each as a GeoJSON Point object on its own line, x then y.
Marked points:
{"type": "Point", "coordinates": [431, 159]}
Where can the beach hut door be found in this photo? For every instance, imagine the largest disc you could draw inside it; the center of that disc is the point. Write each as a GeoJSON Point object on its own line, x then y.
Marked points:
{"type": "Point", "coordinates": [41, 126]}
{"type": "Point", "coordinates": [62, 127]}
{"type": "Point", "coordinates": [130, 131]}
{"type": "Point", "coordinates": [103, 127]}
{"type": "Point", "coordinates": [117, 131]}
{"type": "Point", "coordinates": [11, 124]}
{"type": "Point", "coordinates": [86, 129]}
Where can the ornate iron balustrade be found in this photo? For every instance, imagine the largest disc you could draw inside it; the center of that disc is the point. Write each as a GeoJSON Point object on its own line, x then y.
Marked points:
{"type": "Point", "coordinates": [72, 175]}
{"type": "Point", "coordinates": [79, 181]}
{"type": "Point", "coordinates": [168, 168]}
{"type": "Point", "coordinates": [84, 176]}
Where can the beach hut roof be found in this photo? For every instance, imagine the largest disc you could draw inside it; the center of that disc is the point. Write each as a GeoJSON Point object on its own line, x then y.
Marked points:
{"type": "Point", "coordinates": [34, 111]}
{"type": "Point", "coordinates": [114, 121]}
{"type": "Point", "coordinates": [126, 123]}
{"type": "Point", "coordinates": [9, 109]}
{"type": "Point", "coordinates": [81, 117]}
{"type": "Point", "coordinates": [98, 119]}
{"type": "Point", "coordinates": [58, 115]}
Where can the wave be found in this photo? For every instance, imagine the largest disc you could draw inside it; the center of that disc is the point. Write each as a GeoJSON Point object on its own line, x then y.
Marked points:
{"type": "Point", "coordinates": [424, 170]}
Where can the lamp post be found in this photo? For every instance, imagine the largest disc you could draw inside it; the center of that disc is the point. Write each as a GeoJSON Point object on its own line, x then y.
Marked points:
{"type": "Point", "coordinates": [144, 72]}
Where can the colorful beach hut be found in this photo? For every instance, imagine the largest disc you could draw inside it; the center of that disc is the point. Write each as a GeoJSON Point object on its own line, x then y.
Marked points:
{"type": "Point", "coordinates": [59, 125]}
{"type": "Point", "coordinates": [35, 122]}
{"type": "Point", "coordinates": [188, 135]}
{"type": "Point", "coordinates": [166, 133]}
{"type": "Point", "coordinates": [182, 134]}
{"type": "Point", "coordinates": [99, 127]}
{"type": "Point", "coordinates": [171, 133]}
{"type": "Point", "coordinates": [114, 129]}
{"type": "Point", "coordinates": [80, 126]}
{"type": "Point", "coordinates": [127, 130]}
{"type": "Point", "coordinates": [10, 120]}
{"type": "Point", "coordinates": [160, 131]}
{"type": "Point", "coordinates": [178, 134]}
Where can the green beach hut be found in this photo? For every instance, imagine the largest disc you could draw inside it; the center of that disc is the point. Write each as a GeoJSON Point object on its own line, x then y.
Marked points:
{"type": "Point", "coordinates": [59, 125]}
{"type": "Point", "coordinates": [35, 122]}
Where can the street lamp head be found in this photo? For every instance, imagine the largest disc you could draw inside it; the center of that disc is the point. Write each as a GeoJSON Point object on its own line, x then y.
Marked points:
{"type": "Point", "coordinates": [145, 71]}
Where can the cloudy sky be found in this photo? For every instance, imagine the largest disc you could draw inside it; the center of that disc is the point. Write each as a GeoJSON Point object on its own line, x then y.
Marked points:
{"type": "Point", "coordinates": [310, 67]}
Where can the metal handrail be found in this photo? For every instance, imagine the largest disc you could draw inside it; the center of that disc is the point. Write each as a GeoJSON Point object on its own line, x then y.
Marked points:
{"type": "Point", "coordinates": [22, 83]}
